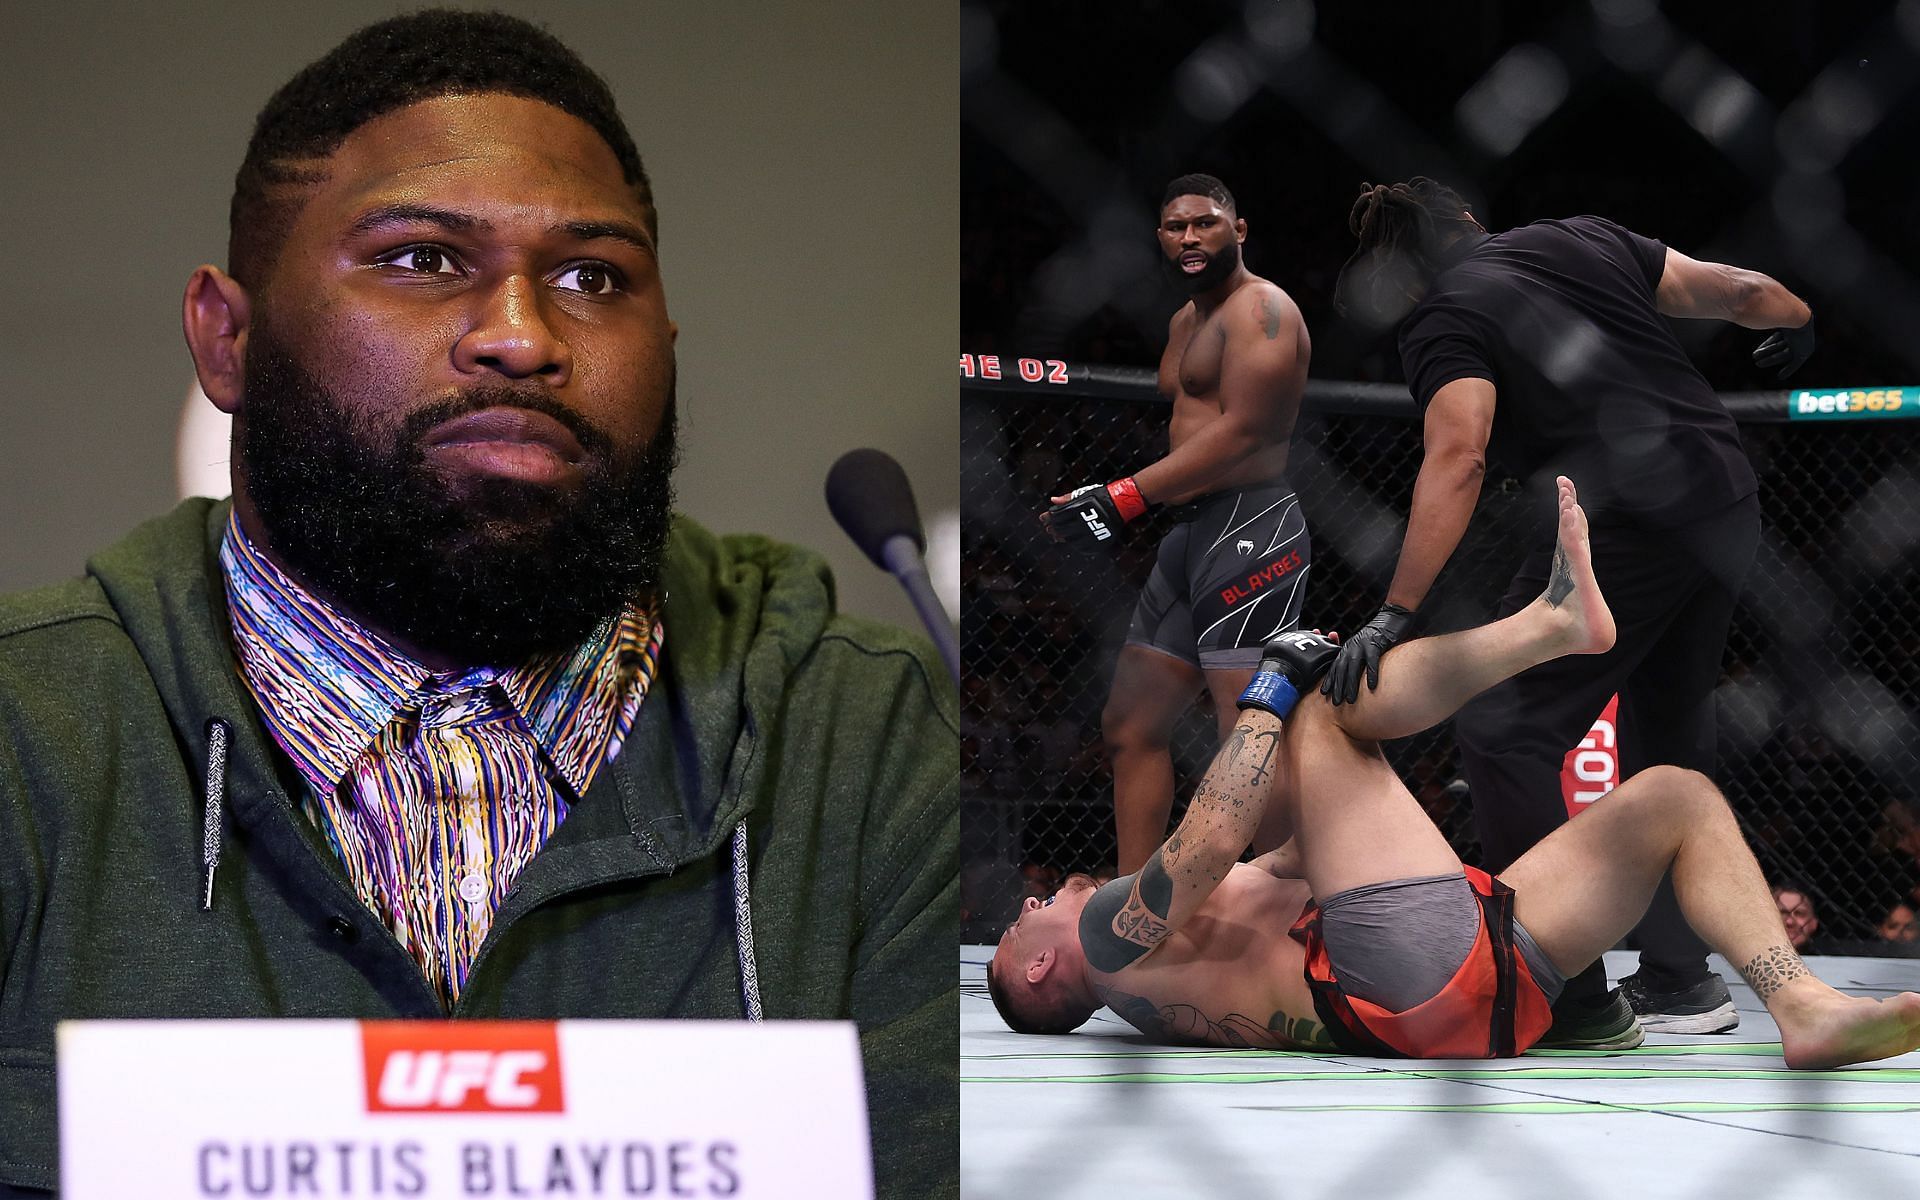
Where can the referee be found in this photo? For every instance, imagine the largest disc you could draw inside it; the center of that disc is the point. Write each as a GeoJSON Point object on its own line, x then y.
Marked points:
{"type": "Point", "coordinates": [1544, 349]}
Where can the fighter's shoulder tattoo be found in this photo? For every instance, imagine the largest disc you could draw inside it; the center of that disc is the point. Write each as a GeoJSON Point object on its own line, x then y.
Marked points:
{"type": "Point", "coordinates": [1128, 917]}
{"type": "Point", "coordinates": [1271, 314]}
{"type": "Point", "coordinates": [1772, 969]}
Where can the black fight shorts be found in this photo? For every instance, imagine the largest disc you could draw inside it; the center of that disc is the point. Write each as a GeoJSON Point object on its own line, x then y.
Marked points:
{"type": "Point", "coordinates": [1227, 579]}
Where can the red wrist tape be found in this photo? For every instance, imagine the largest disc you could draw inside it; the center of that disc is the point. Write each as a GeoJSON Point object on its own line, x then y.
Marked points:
{"type": "Point", "coordinates": [1127, 498]}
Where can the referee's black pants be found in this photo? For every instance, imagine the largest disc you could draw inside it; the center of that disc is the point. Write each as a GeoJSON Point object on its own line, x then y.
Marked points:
{"type": "Point", "coordinates": [1672, 593]}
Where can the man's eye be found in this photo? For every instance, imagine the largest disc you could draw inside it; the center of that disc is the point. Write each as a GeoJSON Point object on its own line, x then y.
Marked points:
{"type": "Point", "coordinates": [592, 279]}
{"type": "Point", "coordinates": [427, 260]}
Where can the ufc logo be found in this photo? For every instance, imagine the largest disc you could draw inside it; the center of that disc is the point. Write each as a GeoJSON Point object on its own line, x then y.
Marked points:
{"type": "Point", "coordinates": [1095, 524]}
{"type": "Point", "coordinates": [1303, 642]}
{"type": "Point", "coordinates": [492, 1066]}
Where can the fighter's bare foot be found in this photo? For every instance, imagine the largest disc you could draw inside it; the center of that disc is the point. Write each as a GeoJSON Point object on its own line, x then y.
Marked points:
{"type": "Point", "coordinates": [1834, 1029]}
{"type": "Point", "coordinates": [1572, 592]}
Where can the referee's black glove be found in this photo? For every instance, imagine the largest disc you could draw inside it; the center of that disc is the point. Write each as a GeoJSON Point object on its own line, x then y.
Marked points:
{"type": "Point", "coordinates": [1362, 652]}
{"type": "Point", "coordinates": [1785, 348]}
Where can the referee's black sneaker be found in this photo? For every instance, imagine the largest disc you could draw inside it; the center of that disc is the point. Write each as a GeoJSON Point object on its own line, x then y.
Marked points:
{"type": "Point", "coordinates": [1605, 1023]}
{"type": "Point", "coordinates": [1668, 1005]}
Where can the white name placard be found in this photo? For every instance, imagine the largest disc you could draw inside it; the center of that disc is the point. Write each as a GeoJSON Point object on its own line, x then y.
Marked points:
{"type": "Point", "coordinates": [191, 1110]}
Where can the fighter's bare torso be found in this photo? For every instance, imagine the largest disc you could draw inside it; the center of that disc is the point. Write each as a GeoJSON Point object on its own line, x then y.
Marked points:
{"type": "Point", "coordinates": [1199, 357]}
{"type": "Point", "coordinates": [1230, 976]}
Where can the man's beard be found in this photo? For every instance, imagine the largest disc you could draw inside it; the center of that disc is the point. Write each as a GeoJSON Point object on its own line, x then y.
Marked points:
{"type": "Point", "coordinates": [1215, 273]}
{"type": "Point", "coordinates": [491, 573]}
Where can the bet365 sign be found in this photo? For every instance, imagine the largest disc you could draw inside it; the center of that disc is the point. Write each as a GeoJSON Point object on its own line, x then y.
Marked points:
{"type": "Point", "coordinates": [1836, 404]}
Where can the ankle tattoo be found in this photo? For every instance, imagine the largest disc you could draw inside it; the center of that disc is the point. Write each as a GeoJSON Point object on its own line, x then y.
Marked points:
{"type": "Point", "coordinates": [1773, 969]}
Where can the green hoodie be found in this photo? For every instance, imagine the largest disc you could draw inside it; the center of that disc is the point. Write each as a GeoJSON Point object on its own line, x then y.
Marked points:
{"type": "Point", "coordinates": [834, 740]}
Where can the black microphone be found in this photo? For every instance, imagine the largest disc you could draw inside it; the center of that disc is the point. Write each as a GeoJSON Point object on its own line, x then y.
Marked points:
{"type": "Point", "coordinates": [870, 497]}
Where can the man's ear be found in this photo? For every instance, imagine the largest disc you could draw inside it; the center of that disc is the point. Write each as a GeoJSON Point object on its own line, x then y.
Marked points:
{"type": "Point", "coordinates": [215, 315]}
{"type": "Point", "coordinates": [1239, 229]}
{"type": "Point", "coordinates": [1042, 963]}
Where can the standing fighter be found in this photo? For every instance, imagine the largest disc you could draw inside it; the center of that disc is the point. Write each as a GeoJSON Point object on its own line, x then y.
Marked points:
{"type": "Point", "coordinates": [1229, 576]}
{"type": "Point", "coordinates": [1407, 952]}
{"type": "Point", "coordinates": [1545, 348]}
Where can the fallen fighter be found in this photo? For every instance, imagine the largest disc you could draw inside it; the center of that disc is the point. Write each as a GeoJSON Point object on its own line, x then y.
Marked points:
{"type": "Point", "coordinates": [1410, 952]}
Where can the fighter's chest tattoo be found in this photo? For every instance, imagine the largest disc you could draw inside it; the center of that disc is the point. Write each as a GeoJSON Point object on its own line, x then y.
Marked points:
{"type": "Point", "coordinates": [1191, 1025]}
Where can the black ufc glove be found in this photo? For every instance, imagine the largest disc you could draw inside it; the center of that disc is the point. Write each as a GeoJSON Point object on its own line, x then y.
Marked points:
{"type": "Point", "coordinates": [1096, 513]}
{"type": "Point", "coordinates": [1785, 348]}
{"type": "Point", "coordinates": [1289, 667]}
{"type": "Point", "coordinates": [1362, 651]}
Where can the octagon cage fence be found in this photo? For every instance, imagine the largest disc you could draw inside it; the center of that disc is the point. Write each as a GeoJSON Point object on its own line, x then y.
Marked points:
{"type": "Point", "coordinates": [1816, 703]}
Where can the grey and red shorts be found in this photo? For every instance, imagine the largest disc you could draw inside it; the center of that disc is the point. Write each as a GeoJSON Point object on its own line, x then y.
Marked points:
{"type": "Point", "coordinates": [1229, 577]}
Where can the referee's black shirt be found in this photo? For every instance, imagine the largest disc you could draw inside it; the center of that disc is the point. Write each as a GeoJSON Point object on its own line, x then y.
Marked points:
{"type": "Point", "coordinates": [1589, 380]}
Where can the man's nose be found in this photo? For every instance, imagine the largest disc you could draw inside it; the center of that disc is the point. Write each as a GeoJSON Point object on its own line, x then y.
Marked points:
{"type": "Point", "coordinates": [511, 336]}
{"type": "Point", "coordinates": [1031, 903]}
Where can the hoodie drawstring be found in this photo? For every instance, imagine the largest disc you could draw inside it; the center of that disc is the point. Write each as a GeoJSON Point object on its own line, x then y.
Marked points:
{"type": "Point", "coordinates": [217, 732]}
{"type": "Point", "coordinates": [743, 924]}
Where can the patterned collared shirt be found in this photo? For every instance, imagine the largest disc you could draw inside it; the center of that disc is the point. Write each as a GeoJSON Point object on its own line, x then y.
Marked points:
{"type": "Point", "coordinates": [434, 788]}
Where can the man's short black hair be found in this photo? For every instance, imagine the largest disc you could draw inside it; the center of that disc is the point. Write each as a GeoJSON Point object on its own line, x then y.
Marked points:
{"type": "Point", "coordinates": [1200, 185]}
{"type": "Point", "coordinates": [1033, 1010]}
{"type": "Point", "coordinates": [387, 66]}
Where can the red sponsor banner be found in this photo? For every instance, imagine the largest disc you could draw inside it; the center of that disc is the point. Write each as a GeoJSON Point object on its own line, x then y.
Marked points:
{"type": "Point", "coordinates": [462, 1066]}
{"type": "Point", "coordinates": [1592, 768]}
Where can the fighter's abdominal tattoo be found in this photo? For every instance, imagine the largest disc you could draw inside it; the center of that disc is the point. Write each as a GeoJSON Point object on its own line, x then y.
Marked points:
{"type": "Point", "coordinates": [1772, 970]}
{"type": "Point", "coordinates": [1560, 581]}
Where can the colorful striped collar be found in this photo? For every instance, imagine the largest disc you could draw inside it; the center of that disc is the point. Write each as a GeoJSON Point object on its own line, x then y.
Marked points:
{"type": "Point", "coordinates": [328, 685]}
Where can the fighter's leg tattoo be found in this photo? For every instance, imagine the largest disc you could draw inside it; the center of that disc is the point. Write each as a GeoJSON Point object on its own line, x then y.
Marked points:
{"type": "Point", "coordinates": [1772, 969]}
{"type": "Point", "coordinates": [1560, 581]}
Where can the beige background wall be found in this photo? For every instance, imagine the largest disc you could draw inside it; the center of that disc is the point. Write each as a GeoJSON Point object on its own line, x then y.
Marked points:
{"type": "Point", "coordinates": [805, 158]}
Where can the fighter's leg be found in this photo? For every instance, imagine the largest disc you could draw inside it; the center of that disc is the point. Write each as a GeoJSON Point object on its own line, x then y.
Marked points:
{"type": "Point", "coordinates": [1351, 820]}
{"type": "Point", "coordinates": [1589, 881]}
{"type": "Point", "coordinates": [1154, 680]}
{"type": "Point", "coordinates": [1225, 686]}
{"type": "Point", "coordinates": [1425, 681]}
{"type": "Point", "coordinates": [1150, 691]}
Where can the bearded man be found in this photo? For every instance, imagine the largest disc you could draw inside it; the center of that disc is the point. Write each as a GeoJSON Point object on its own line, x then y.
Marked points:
{"type": "Point", "coordinates": [447, 714]}
{"type": "Point", "coordinates": [1230, 575]}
